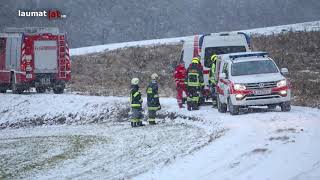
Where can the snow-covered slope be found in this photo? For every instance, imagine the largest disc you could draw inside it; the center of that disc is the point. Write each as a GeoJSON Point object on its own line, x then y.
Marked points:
{"type": "Point", "coordinates": [307, 26]}
{"type": "Point", "coordinates": [205, 144]}
{"type": "Point", "coordinates": [259, 145]}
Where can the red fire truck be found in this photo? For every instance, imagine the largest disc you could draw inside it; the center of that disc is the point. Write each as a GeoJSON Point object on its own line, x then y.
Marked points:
{"type": "Point", "coordinates": [34, 57]}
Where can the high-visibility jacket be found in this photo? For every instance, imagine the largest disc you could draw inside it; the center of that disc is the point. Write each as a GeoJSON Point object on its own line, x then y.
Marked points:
{"type": "Point", "coordinates": [194, 76]}
{"type": "Point", "coordinates": [135, 97]}
{"type": "Point", "coordinates": [212, 74]}
{"type": "Point", "coordinates": [153, 96]}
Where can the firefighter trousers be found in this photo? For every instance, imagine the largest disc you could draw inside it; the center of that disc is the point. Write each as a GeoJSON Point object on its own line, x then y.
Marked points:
{"type": "Point", "coordinates": [180, 91]}
{"type": "Point", "coordinates": [136, 115]}
{"type": "Point", "coordinates": [152, 114]}
{"type": "Point", "coordinates": [193, 98]}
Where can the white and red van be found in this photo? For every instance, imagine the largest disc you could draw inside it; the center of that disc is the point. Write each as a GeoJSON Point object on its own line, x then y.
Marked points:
{"type": "Point", "coordinates": [207, 45]}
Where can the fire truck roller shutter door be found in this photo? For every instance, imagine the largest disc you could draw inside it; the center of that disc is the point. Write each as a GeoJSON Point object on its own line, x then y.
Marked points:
{"type": "Point", "coordinates": [45, 56]}
{"type": "Point", "coordinates": [13, 52]}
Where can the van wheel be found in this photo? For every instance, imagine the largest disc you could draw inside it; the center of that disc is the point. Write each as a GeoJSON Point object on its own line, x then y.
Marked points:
{"type": "Point", "coordinates": [285, 106]}
{"type": "Point", "coordinates": [58, 90]}
{"type": "Point", "coordinates": [234, 110]}
{"type": "Point", "coordinates": [222, 107]}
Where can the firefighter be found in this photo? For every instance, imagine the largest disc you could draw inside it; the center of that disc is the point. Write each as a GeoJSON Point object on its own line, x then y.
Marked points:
{"type": "Point", "coordinates": [136, 103]}
{"type": "Point", "coordinates": [179, 77]}
{"type": "Point", "coordinates": [212, 79]}
{"type": "Point", "coordinates": [153, 99]}
{"type": "Point", "coordinates": [195, 84]}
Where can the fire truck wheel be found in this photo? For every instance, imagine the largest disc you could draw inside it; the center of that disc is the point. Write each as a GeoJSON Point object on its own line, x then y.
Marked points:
{"type": "Point", "coordinates": [58, 90]}
{"type": "Point", "coordinates": [3, 90]}
{"type": "Point", "coordinates": [40, 90]}
{"type": "Point", "coordinates": [15, 88]}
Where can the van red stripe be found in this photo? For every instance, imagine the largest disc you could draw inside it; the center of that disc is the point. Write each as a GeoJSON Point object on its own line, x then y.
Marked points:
{"type": "Point", "coordinates": [196, 46]}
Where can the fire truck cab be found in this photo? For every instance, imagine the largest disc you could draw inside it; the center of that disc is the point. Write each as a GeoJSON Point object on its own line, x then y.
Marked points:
{"type": "Point", "coordinates": [34, 57]}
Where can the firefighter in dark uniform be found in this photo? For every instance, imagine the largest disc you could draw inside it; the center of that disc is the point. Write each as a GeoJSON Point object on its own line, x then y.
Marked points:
{"type": "Point", "coordinates": [153, 99]}
{"type": "Point", "coordinates": [194, 82]}
{"type": "Point", "coordinates": [136, 103]}
{"type": "Point", "coordinates": [212, 79]}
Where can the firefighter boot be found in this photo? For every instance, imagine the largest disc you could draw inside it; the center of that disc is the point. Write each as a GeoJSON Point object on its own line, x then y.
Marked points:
{"type": "Point", "coordinates": [189, 107]}
{"type": "Point", "coordinates": [152, 122]}
{"type": "Point", "coordinates": [180, 105]}
{"type": "Point", "coordinates": [133, 124]}
{"type": "Point", "coordinates": [140, 123]}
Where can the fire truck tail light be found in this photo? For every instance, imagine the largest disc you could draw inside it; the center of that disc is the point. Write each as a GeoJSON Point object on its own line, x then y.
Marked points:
{"type": "Point", "coordinates": [68, 65]}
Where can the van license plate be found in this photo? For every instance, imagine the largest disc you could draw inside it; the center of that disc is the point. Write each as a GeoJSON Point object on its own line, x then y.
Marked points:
{"type": "Point", "coordinates": [262, 92]}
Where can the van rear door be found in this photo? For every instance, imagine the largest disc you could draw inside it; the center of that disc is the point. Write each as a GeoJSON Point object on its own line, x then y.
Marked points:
{"type": "Point", "coordinates": [45, 56]}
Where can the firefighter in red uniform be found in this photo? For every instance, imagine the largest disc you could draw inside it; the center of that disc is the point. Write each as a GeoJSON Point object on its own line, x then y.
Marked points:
{"type": "Point", "coordinates": [179, 77]}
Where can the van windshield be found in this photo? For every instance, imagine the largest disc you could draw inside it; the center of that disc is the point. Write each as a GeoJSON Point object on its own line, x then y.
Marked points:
{"type": "Point", "coordinates": [253, 67]}
{"type": "Point", "coordinates": [209, 51]}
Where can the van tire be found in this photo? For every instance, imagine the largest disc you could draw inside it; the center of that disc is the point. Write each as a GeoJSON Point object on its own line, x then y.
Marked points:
{"type": "Point", "coordinates": [234, 110]}
{"type": "Point", "coordinates": [222, 107]}
{"type": "Point", "coordinates": [285, 106]}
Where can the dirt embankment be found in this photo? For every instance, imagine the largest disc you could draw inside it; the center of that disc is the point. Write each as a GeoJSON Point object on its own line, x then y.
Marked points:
{"type": "Point", "coordinates": [300, 53]}
{"type": "Point", "coordinates": [109, 73]}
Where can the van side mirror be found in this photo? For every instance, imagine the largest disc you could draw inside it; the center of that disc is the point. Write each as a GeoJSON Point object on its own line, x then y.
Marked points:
{"type": "Point", "coordinates": [284, 71]}
{"type": "Point", "coordinates": [223, 76]}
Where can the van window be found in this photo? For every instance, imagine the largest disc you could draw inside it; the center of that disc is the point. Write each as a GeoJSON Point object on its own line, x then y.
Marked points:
{"type": "Point", "coordinates": [2, 53]}
{"type": "Point", "coordinates": [209, 51]}
{"type": "Point", "coordinates": [225, 70]}
{"type": "Point", "coordinates": [2, 45]}
{"type": "Point", "coordinates": [181, 57]}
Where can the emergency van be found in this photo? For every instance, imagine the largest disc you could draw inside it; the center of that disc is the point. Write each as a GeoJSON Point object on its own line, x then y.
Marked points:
{"type": "Point", "coordinates": [207, 45]}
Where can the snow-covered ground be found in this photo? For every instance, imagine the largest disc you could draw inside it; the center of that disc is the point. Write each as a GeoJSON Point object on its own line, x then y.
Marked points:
{"type": "Point", "coordinates": [257, 145]}
{"type": "Point", "coordinates": [88, 137]}
{"type": "Point", "coordinates": [307, 26]}
{"type": "Point", "coordinates": [47, 136]}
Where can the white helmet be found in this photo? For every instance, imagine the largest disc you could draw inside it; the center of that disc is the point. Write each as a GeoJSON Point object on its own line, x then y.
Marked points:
{"type": "Point", "coordinates": [154, 76]}
{"type": "Point", "coordinates": [135, 81]}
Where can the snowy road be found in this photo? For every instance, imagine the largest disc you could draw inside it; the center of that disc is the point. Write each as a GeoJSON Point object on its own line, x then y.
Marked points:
{"type": "Point", "coordinates": [257, 145]}
{"type": "Point", "coordinates": [47, 136]}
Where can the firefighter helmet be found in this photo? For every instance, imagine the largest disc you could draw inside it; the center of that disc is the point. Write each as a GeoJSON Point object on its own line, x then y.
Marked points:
{"type": "Point", "coordinates": [154, 76]}
{"type": "Point", "coordinates": [135, 81]}
{"type": "Point", "coordinates": [195, 60]}
{"type": "Point", "coordinates": [214, 57]}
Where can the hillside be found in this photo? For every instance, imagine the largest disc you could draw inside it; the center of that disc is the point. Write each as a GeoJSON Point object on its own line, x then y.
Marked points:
{"type": "Point", "coordinates": [100, 22]}
{"type": "Point", "coordinates": [109, 72]}
{"type": "Point", "coordinates": [300, 53]}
